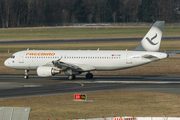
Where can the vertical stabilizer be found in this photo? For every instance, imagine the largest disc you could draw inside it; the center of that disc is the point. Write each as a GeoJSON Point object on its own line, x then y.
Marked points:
{"type": "Point", "coordinates": [151, 41]}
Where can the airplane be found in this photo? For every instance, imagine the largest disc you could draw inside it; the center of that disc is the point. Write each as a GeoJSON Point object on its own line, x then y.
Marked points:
{"type": "Point", "coordinates": [48, 63]}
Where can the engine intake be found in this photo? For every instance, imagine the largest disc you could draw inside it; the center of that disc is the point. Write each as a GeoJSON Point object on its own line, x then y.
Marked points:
{"type": "Point", "coordinates": [45, 71]}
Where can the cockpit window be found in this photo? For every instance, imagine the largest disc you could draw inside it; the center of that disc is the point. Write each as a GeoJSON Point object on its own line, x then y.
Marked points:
{"type": "Point", "coordinates": [13, 57]}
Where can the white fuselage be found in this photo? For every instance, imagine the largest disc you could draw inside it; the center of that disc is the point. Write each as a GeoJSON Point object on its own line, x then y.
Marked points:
{"type": "Point", "coordinates": [99, 59]}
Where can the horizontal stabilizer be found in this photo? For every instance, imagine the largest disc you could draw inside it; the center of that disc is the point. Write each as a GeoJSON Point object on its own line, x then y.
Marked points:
{"type": "Point", "coordinates": [172, 52]}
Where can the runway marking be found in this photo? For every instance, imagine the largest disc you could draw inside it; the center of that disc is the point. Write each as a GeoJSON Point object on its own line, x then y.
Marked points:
{"type": "Point", "coordinates": [73, 82]}
{"type": "Point", "coordinates": [126, 82]}
{"type": "Point", "coordinates": [97, 77]}
{"type": "Point", "coordinates": [80, 83]}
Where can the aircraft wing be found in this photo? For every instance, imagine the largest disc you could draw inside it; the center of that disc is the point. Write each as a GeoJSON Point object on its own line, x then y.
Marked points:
{"type": "Point", "coordinates": [73, 66]}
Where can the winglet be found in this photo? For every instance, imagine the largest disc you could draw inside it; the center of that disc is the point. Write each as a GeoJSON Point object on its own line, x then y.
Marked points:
{"type": "Point", "coordinates": [152, 39]}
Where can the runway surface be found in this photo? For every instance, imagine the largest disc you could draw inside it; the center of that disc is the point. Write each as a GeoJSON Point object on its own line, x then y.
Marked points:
{"type": "Point", "coordinates": [15, 86]}
{"type": "Point", "coordinates": [78, 40]}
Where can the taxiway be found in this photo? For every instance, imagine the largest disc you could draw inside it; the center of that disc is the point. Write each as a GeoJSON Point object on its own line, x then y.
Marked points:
{"type": "Point", "coordinates": [78, 40]}
{"type": "Point", "coordinates": [15, 86]}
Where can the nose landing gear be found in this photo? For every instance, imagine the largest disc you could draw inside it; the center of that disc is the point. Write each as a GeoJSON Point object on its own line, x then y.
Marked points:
{"type": "Point", "coordinates": [26, 76]}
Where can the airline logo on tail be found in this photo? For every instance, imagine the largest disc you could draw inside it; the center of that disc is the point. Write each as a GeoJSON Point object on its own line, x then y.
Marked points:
{"type": "Point", "coordinates": [151, 41]}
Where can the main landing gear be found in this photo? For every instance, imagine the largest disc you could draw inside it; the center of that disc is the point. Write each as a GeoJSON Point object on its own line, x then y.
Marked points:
{"type": "Point", "coordinates": [88, 76]}
{"type": "Point", "coordinates": [26, 76]}
{"type": "Point", "coordinates": [71, 77]}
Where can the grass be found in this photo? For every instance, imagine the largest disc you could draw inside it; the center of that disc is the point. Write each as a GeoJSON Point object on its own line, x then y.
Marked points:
{"type": "Point", "coordinates": [43, 33]}
{"type": "Point", "coordinates": [170, 45]}
{"type": "Point", "coordinates": [107, 104]}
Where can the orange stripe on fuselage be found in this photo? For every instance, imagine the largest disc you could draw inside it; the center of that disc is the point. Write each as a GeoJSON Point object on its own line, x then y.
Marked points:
{"type": "Point", "coordinates": [40, 54]}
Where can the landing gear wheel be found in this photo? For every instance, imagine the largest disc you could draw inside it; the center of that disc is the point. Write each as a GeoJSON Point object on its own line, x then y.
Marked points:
{"type": "Point", "coordinates": [71, 77]}
{"type": "Point", "coordinates": [89, 75]}
{"type": "Point", "coordinates": [26, 74]}
{"type": "Point", "coordinates": [26, 77]}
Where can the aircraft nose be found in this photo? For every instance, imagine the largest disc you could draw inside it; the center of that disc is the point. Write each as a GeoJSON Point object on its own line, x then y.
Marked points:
{"type": "Point", "coordinates": [6, 63]}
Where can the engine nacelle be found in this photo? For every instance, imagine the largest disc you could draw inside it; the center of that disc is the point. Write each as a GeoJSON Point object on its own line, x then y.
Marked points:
{"type": "Point", "coordinates": [45, 71]}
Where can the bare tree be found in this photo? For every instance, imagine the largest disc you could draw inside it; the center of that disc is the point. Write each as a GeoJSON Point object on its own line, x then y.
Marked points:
{"type": "Point", "coordinates": [7, 7]}
{"type": "Point", "coordinates": [130, 10]}
{"type": "Point", "coordinates": [30, 4]}
{"type": "Point", "coordinates": [46, 12]}
{"type": "Point", "coordinates": [114, 16]}
{"type": "Point", "coordinates": [65, 16]}
{"type": "Point", "coordinates": [90, 16]}
{"type": "Point", "coordinates": [73, 18]}
{"type": "Point", "coordinates": [4, 11]}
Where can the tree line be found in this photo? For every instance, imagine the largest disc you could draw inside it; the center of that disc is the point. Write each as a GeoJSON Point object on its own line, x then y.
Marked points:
{"type": "Point", "coordinates": [19, 13]}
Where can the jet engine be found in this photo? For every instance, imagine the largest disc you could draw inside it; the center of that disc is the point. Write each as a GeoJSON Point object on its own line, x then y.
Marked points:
{"type": "Point", "coordinates": [46, 71]}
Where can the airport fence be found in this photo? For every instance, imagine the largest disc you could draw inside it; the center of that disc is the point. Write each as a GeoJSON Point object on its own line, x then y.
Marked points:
{"type": "Point", "coordinates": [131, 118]}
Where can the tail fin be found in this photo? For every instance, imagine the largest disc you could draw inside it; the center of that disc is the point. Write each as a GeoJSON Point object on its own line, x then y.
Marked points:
{"type": "Point", "coordinates": [152, 39]}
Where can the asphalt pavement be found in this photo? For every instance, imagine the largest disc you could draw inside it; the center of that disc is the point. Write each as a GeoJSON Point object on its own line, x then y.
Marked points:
{"type": "Point", "coordinates": [78, 40]}
{"type": "Point", "coordinates": [15, 86]}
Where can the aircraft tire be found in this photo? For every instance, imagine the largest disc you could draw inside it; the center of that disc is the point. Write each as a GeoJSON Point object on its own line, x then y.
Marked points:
{"type": "Point", "coordinates": [89, 76]}
{"type": "Point", "coordinates": [71, 77]}
{"type": "Point", "coordinates": [26, 77]}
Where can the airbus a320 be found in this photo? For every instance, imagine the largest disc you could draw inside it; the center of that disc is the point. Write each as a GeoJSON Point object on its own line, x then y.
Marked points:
{"type": "Point", "coordinates": [48, 63]}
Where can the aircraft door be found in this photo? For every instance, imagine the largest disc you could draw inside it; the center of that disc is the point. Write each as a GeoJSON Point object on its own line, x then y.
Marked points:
{"type": "Point", "coordinates": [129, 58]}
{"type": "Point", "coordinates": [21, 58]}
